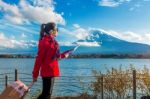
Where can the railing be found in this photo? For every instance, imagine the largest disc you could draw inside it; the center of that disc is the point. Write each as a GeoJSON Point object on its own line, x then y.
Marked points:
{"type": "Point", "coordinates": [8, 77]}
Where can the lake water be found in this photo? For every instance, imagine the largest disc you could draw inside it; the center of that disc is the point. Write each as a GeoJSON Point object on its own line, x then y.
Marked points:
{"type": "Point", "coordinates": [70, 69]}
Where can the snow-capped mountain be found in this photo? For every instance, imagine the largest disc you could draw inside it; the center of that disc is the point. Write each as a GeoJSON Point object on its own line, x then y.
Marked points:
{"type": "Point", "coordinates": [108, 44]}
{"type": "Point", "coordinates": [97, 42]}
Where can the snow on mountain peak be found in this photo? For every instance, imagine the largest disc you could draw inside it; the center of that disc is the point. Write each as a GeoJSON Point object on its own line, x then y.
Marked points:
{"type": "Point", "coordinates": [99, 36]}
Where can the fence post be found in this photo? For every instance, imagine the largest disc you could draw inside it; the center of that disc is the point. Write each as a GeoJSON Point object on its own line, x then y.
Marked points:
{"type": "Point", "coordinates": [102, 91]}
{"type": "Point", "coordinates": [6, 80]}
{"type": "Point", "coordinates": [134, 84]}
{"type": "Point", "coordinates": [16, 74]}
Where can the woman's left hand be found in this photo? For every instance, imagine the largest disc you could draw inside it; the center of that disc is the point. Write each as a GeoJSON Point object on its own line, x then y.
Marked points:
{"type": "Point", "coordinates": [67, 55]}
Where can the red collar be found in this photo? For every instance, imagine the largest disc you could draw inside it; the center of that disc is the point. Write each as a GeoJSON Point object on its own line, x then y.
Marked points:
{"type": "Point", "coordinates": [50, 38]}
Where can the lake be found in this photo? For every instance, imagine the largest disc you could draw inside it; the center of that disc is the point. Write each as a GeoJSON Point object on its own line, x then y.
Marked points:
{"type": "Point", "coordinates": [71, 69]}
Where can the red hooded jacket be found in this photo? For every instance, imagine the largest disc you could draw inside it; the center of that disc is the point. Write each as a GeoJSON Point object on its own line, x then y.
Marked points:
{"type": "Point", "coordinates": [45, 61]}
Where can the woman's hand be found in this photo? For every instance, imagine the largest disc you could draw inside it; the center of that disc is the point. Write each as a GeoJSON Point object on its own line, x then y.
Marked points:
{"type": "Point", "coordinates": [34, 79]}
{"type": "Point", "coordinates": [67, 55]}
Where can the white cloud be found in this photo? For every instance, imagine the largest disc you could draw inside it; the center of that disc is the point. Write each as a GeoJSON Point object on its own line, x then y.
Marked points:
{"type": "Point", "coordinates": [62, 13]}
{"type": "Point", "coordinates": [130, 36]}
{"type": "Point", "coordinates": [88, 44]}
{"type": "Point", "coordinates": [65, 31]}
{"type": "Point", "coordinates": [42, 11]}
{"type": "Point", "coordinates": [112, 3]}
{"type": "Point", "coordinates": [76, 32]}
{"type": "Point", "coordinates": [66, 44]}
{"type": "Point", "coordinates": [76, 25]}
{"type": "Point", "coordinates": [32, 30]}
{"type": "Point", "coordinates": [94, 44]}
{"type": "Point", "coordinates": [12, 43]}
{"type": "Point", "coordinates": [44, 3]}
{"type": "Point", "coordinates": [108, 3]}
{"type": "Point", "coordinates": [136, 6]}
{"type": "Point", "coordinates": [80, 33]}
{"type": "Point", "coordinates": [23, 35]}
{"type": "Point", "coordinates": [11, 12]}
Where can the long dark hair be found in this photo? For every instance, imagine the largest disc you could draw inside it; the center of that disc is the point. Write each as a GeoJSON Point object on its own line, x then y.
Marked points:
{"type": "Point", "coordinates": [42, 31]}
{"type": "Point", "coordinates": [46, 28]}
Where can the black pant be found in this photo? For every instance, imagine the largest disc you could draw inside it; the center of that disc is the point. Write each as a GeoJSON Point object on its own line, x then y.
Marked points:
{"type": "Point", "coordinates": [48, 83]}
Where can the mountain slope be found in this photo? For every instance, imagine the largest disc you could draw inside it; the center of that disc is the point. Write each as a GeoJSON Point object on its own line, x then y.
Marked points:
{"type": "Point", "coordinates": [111, 45]}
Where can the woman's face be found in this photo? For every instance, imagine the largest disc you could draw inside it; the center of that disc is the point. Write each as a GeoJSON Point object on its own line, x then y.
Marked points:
{"type": "Point", "coordinates": [55, 32]}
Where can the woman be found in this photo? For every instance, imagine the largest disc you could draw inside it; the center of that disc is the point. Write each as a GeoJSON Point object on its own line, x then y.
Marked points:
{"type": "Point", "coordinates": [47, 59]}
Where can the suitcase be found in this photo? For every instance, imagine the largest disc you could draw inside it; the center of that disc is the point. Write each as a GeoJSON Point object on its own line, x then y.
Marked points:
{"type": "Point", "coordinates": [15, 90]}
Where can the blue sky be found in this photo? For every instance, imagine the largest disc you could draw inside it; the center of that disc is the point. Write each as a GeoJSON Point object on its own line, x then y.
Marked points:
{"type": "Point", "coordinates": [125, 19]}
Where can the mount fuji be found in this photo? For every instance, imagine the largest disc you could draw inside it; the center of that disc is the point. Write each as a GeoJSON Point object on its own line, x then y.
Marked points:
{"type": "Point", "coordinates": [107, 44]}
{"type": "Point", "coordinates": [97, 42]}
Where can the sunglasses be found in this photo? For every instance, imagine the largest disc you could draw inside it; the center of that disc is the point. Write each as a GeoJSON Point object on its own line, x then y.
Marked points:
{"type": "Point", "coordinates": [56, 29]}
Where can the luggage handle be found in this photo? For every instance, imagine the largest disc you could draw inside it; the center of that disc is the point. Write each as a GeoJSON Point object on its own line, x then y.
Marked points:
{"type": "Point", "coordinates": [29, 87]}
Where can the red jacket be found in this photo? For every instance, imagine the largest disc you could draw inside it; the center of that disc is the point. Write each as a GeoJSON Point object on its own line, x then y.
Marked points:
{"type": "Point", "coordinates": [45, 61]}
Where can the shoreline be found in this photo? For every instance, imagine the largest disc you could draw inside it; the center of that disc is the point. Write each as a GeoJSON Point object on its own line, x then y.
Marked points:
{"type": "Point", "coordinates": [83, 56]}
